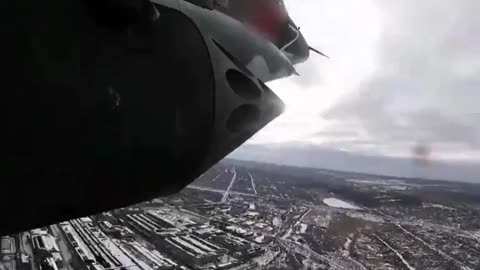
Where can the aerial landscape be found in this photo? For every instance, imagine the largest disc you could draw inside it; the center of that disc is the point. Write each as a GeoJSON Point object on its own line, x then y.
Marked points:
{"type": "Point", "coordinates": [247, 215]}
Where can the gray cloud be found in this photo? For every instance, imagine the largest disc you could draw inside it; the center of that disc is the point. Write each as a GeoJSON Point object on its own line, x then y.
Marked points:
{"type": "Point", "coordinates": [309, 74]}
{"type": "Point", "coordinates": [336, 133]}
{"type": "Point", "coordinates": [427, 85]}
{"type": "Point", "coordinates": [307, 155]}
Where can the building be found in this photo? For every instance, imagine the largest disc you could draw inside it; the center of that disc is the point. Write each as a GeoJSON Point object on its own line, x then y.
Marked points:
{"type": "Point", "coordinates": [236, 230]}
{"type": "Point", "coordinates": [8, 245]}
{"type": "Point", "coordinates": [45, 244]}
{"type": "Point", "coordinates": [105, 225]}
{"type": "Point", "coordinates": [152, 226]}
{"type": "Point", "coordinates": [45, 241]}
{"type": "Point", "coordinates": [143, 224]}
{"type": "Point", "coordinates": [146, 258]}
{"type": "Point", "coordinates": [57, 257]}
{"type": "Point", "coordinates": [206, 231]}
{"type": "Point", "coordinates": [39, 231]}
{"type": "Point", "coordinates": [95, 266]}
{"type": "Point", "coordinates": [170, 217]}
{"type": "Point", "coordinates": [76, 243]}
{"type": "Point", "coordinates": [94, 247]}
{"type": "Point", "coordinates": [191, 249]}
{"type": "Point", "coordinates": [48, 263]}
{"type": "Point", "coordinates": [232, 243]}
{"type": "Point", "coordinates": [116, 231]}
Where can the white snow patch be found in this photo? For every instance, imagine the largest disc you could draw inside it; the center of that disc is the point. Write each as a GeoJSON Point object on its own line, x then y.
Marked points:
{"type": "Point", "coordinates": [303, 228]}
{"type": "Point", "coordinates": [259, 239]}
{"type": "Point", "coordinates": [347, 243]}
{"type": "Point", "coordinates": [288, 233]}
{"type": "Point", "coordinates": [477, 234]}
{"type": "Point", "coordinates": [397, 187]}
{"type": "Point", "coordinates": [334, 202]}
{"type": "Point", "coordinates": [434, 205]}
{"type": "Point", "coordinates": [366, 217]}
{"type": "Point", "coordinates": [346, 247]}
{"type": "Point", "coordinates": [377, 181]}
{"type": "Point", "coordinates": [276, 222]}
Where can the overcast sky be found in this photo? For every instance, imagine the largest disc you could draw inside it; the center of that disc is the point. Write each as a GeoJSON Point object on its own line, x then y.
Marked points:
{"type": "Point", "coordinates": [400, 74]}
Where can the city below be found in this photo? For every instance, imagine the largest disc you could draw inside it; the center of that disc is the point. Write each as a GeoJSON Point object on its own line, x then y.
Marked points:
{"type": "Point", "coordinates": [246, 215]}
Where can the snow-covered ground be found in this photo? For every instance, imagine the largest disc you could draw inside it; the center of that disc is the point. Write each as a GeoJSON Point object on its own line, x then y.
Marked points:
{"type": "Point", "coordinates": [386, 184]}
{"type": "Point", "coordinates": [398, 187]}
{"type": "Point", "coordinates": [377, 181]}
{"type": "Point", "coordinates": [320, 216]}
{"type": "Point", "coordinates": [266, 258]}
{"type": "Point", "coordinates": [477, 234]}
{"type": "Point", "coordinates": [323, 221]}
{"type": "Point", "coordinates": [434, 248]}
{"type": "Point", "coordinates": [334, 202]}
{"type": "Point", "coordinates": [402, 259]}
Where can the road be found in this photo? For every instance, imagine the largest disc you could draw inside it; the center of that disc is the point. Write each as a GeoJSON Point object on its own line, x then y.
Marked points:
{"type": "Point", "coordinates": [62, 245]}
{"type": "Point", "coordinates": [225, 195]}
{"type": "Point", "coordinates": [290, 229]}
{"type": "Point", "coordinates": [218, 175]}
{"type": "Point", "coordinates": [434, 249]}
{"type": "Point", "coordinates": [399, 256]}
{"type": "Point", "coordinates": [398, 223]}
{"type": "Point", "coordinates": [253, 183]}
{"type": "Point", "coordinates": [216, 190]}
{"type": "Point", "coordinates": [305, 250]}
{"type": "Point", "coordinates": [223, 191]}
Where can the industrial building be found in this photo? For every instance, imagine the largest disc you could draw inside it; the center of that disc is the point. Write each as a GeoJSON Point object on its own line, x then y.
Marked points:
{"type": "Point", "coordinates": [44, 243]}
{"type": "Point", "coordinates": [173, 234]}
{"type": "Point", "coordinates": [47, 263]}
{"type": "Point", "coordinates": [145, 223]}
{"type": "Point", "coordinates": [191, 248]}
{"type": "Point", "coordinates": [98, 251]}
{"type": "Point", "coordinates": [174, 219]}
{"type": "Point", "coordinates": [95, 248]}
{"type": "Point", "coordinates": [232, 242]}
{"type": "Point", "coordinates": [236, 230]}
{"type": "Point", "coordinates": [116, 231]}
{"type": "Point", "coordinates": [147, 259]}
{"type": "Point", "coordinates": [151, 225]}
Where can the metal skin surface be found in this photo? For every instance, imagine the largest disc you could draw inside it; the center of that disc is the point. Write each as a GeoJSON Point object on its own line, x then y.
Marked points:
{"type": "Point", "coordinates": [261, 57]}
{"type": "Point", "coordinates": [113, 102]}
